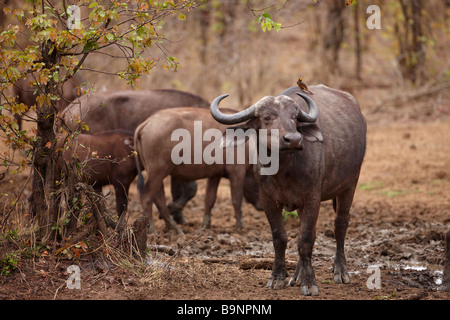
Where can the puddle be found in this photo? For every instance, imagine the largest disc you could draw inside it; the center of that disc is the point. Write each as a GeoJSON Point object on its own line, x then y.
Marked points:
{"type": "Point", "coordinates": [418, 275]}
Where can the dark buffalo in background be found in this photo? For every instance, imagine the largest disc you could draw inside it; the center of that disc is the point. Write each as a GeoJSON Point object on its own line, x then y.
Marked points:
{"type": "Point", "coordinates": [109, 110]}
{"type": "Point", "coordinates": [320, 156]}
{"type": "Point", "coordinates": [103, 111]}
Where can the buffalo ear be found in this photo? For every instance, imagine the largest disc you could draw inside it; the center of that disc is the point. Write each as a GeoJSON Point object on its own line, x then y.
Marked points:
{"type": "Point", "coordinates": [310, 131]}
{"type": "Point", "coordinates": [237, 135]}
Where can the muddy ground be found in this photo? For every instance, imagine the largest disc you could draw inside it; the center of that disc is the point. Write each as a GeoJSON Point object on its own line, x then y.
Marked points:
{"type": "Point", "coordinates": [400, 213]}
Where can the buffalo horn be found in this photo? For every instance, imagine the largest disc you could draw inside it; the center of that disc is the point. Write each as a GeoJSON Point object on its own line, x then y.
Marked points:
{"type": "Point", "coordinates": [313, 110]}
{"type": "Point", "coordinates": [230, 118]}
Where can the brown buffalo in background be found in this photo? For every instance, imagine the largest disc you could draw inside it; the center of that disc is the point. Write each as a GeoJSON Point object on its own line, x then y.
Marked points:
{"type": "Point", "coordinates": [106, 158]}
{"type": "Point", "coordinates": [154, 145]}
{"type": "Point", "coordinates": [109, 110]}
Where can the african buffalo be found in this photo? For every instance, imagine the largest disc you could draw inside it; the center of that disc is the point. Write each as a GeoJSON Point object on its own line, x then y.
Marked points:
{"type": "Point", "coordinates": [103, 111]}
{"type": "Point", "coordinates": [320, 156]}
{"type": "Point", "coordinates": [160, 154]}
{"type": "Point", "coordinates": [126, 109]}
{"type": "Point", "coordinates": [107, 158]}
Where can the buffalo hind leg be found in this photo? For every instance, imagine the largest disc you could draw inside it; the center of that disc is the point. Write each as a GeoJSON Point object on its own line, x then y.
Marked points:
{"type": "Point", "coordinates": [277, 279]}
{"type": "Point", "coordinates": [343, 204]}
{"type": "Point", "coordinates": [147, 204]}
{"type": "Point", "coordinates": [160, 201]}
{"type": "Point", "coordinates": [304, 273]}
{"type": "Point", "coordinates": [150, 191]}
{"type": "Point", "coordinates": [210, 198]}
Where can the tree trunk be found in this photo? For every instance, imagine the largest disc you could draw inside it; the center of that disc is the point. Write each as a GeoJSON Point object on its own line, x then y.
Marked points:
{"type": "Point", "coordinates": [44, 158]}
{"type": "Point", "coordinates": [139, 237]}
{"type": "Point", "coordinates": [334, 34]}
{"type": "Point", "coordinates": [418, 46]}
{"type": "Point", "coordinates": [412, 51]}
{"type": "Point", "coordinates": [205, 15]}
{"type": "Point", "coordinates": [44, 202]}
{"type": "Point", "coordinates": [357, 41]}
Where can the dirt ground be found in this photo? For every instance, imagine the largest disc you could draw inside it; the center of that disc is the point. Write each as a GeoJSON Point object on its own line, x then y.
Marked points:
{"type": "Point", "coordinates": [400, 213]}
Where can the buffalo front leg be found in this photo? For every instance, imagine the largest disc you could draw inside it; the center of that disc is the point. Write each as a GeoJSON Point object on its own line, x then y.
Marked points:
{"type": "Point", "coordinates": [109, 217]}
{"type": "Point", "coordinates": [304, 273]}
{"type": "Point", "coordinates": [343, 204]}
{"type": "Point", "coordinates": [237, 193]}
{"type": "Point", "coordinates": [277, 279]}
{"type": "Point", "coordinates": [121, 204]}
{"type": "Point", "coordinates": [182, 192]}
{"type": "Point", "coordinates": [210, 198]}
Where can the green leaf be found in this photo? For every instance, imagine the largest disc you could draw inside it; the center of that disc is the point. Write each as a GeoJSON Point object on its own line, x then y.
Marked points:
{"type": "Point", "coordinates": [263, 26]}
{"type": "Point", "coordinates": [90, 46]}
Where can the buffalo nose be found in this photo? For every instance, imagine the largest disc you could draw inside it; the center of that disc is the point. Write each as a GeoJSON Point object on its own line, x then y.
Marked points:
{"type": "Point", "coordinates": [293, 140]}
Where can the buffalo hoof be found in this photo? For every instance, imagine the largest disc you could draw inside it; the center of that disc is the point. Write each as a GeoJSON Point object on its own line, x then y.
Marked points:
{"type": "Point", "coordinates": [177, 213]}
{"type": "Point", "coordinates": [178, 217]}
{"type": "Point", "coordinates": [341, 274]}
{"type": "Point", "coordinates": [307, 289]}
{"type": "Point", "coordinates": [308, 286]}
{"type": "Point", "coordinates": [110, 221]}
{"type": "Point", "coordinates": [276, 282]}
{"type": "Point", "coordinates": [240, 224]}
{"type": "Point", "coordinates": [173, 227]}
{"type": "Point", "coordinates": [312, 290]}
{"type": "Point", "coordinates": [151, 228]}
{"type": "Point", "coordinates": [121, 224]}
{"type": "Point", "coordinates": [206, 224]}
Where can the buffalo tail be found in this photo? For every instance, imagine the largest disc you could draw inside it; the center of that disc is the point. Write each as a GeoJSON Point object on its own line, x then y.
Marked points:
{"type": "Point", "coordinates": [140, 179]}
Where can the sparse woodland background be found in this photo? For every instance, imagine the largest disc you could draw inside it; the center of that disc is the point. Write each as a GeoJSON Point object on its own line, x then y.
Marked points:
{"type": "Point", "coordinates": [398, 72]}
{"type": "Point", "coordinates": [222, 49]}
